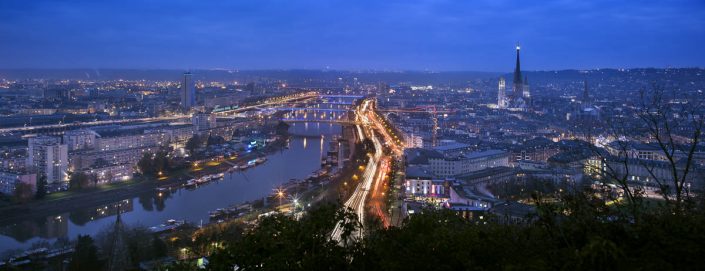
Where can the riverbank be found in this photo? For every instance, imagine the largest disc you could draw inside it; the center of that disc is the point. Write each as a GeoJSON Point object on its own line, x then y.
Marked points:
{"type": "Point", "coordinates": [295, 200]}
{"type": "Point", "coordinates": [73, 200]}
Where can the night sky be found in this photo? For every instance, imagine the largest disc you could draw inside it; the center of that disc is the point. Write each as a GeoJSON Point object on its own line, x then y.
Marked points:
{"type": "Point", "coordinates": [375, 34]}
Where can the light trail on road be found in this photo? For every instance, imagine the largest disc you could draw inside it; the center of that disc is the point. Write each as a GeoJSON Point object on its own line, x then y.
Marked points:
{"type": "Point", "coordinates": [372, 182]}
{"type": "Point", "coordinates": [377, 197]}
{"type": "Point", "coordinates": [357, 200]}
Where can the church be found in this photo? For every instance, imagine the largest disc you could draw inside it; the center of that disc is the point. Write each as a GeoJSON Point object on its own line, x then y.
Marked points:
{"type": "Point", "coordinates": [520, 98]}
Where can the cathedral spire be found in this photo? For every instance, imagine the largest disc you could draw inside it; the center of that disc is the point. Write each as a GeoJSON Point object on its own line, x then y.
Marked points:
{"type": "Point", "coordinates": [518, 83]}
{"type": "Point", "coordinates": [517, 69]}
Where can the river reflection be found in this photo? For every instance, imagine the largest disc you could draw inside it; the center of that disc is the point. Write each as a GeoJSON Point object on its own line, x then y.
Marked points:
{"type": "Point", "coordinates": [57, 226]}
{"type": "Point", "coordinates": [153, 208]}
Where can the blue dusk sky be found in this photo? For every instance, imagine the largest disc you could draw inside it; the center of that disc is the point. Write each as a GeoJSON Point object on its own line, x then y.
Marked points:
{"type": "Point", "coordinates": [351, 35]}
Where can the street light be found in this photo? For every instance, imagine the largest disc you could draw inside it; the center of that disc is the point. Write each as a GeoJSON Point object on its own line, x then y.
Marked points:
{"type": "Point", "coordinates": [280, 194]}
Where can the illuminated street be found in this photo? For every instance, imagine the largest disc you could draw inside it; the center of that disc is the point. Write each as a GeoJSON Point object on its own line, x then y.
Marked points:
{"type": "Point", "coordinates": [375, 171]}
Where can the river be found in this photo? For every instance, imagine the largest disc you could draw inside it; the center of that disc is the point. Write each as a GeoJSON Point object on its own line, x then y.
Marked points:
{"type": "Point", "coordinates": [298, 161]}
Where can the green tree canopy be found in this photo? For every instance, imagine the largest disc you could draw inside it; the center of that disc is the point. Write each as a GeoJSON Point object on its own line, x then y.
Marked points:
{"type": "Point", "coordinates": [85, 258]}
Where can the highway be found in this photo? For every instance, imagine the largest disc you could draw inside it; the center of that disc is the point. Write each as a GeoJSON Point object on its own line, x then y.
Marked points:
{"type": "Point", "coordinates": [374, 174]}
{"type": "Point", "coordinates": [377, 199]}
{"type": "Point", "coordinates": [391, 143]}
{"type": "Point", "coordinates": [90, 123]}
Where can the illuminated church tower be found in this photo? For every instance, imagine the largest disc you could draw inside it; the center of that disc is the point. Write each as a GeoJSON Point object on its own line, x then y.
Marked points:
{"type": "Point", "coordinates": [518, 84]}
{"type": "Point", "coordinates": [521, 97]}
{"type": "Point", "coordinates": [501, 96]}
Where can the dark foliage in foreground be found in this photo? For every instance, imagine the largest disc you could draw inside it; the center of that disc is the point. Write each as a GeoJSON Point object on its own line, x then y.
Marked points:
{"type": "Point", "coordinates": [577, 235]}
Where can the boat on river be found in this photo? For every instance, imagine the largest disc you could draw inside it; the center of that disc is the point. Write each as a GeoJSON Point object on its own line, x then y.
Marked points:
{"type": "Point", "coordinates": [169, 225]}
{"type": "Point", "coordinates": [230, 212]}
{"type": "Point", "coordinates": [203, 180]}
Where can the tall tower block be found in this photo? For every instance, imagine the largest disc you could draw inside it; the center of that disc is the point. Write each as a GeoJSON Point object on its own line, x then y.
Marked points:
{"type": "Point", "coordinates": [188, 92]}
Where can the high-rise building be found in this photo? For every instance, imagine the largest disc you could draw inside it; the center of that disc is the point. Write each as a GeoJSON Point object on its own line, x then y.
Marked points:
{"type": "Point", "coordinates": [188, 92]}
{"type": "Point", "coordinates": [501, 95]}
{"type": "Point", "coordinates": [49, 157]}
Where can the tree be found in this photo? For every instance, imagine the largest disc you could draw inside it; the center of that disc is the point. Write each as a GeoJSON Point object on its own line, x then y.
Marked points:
{"type": "Point", "coordinates": [159, 248]}
{"type": "Point", "coordinates": [677, 131]}
{"type": "Point", "coordinates": [93, 179]}
{"type": "Point", "coordinates": [193, 143]}
{"type": "Point", "coordinates": [138, 242]}
{"type": "Point", "coordinates": [282, 128]}
{"type": "Point", "coordinates": [145, 165]}
{"type": "Point", "coordinates": [23, 192]}
{"type": "Point", "coordinates": [109, 177]}
{"type": "Point", "coordinates": [41, 187]}
{"type": "Point", "coordinates": [161, 162]}
{"type": "Point", "coordinates": [152, 164]}
{"type": "Point", "coordinates": [215, 140]}
{"type": "Point", "coordinates": [674, 129]}
{"type": "Point", "coordinates": [85, 256]}
{"type": "Point", "coordinates": [79, 180]}
{"type": "Point", "coordinates": [281, 243]}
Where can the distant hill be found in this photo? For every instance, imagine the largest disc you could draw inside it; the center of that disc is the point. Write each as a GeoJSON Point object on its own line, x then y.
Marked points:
{"type": "Point", "coordinates": [226, 75]}
{"type": "Point", "coordinates": [601, 75]}
{"type": "Point", "coordinates": [391, 77]}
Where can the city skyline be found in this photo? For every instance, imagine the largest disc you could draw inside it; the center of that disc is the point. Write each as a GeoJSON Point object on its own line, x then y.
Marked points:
{"type": "Point", "coordinates": [434, 36]}
{"type": "Point", "coordinates": [352, 135]}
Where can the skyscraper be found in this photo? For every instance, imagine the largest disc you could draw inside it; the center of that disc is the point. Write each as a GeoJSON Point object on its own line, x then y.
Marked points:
{"type": "Point", "coordinates": [518, 84]}
{"type": "Point", "coordinates": [188, 92]}
{"type": "Point", "coordinates": [501, 96]}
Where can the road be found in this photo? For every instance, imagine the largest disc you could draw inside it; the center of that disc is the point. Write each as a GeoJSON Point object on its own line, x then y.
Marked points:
{"type": "Point", "coordinates": [371, 184]}
{"type": "Point", "coordinates": [390, 141]}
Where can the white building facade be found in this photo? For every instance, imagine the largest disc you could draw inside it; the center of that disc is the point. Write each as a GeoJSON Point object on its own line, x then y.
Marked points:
{"type": "Point", "coordinates": [80, 139]}
{"type": "Point", "coordinates": [49, 157]}
{"type": "Point", "coordinates": [463, 164]}
{"type": "Point", "coordinates": [203, 121]}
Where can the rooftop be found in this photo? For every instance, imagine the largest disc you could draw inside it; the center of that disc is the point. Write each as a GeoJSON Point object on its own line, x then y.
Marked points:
{"type": "Point", "coordinates": [452, 146]}
{"type": "Point", "coordinates": [511, 208]}
{"type": "Point", "coordinates": [480, 154]}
